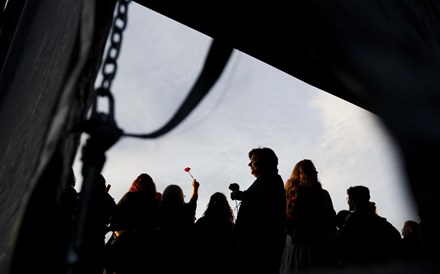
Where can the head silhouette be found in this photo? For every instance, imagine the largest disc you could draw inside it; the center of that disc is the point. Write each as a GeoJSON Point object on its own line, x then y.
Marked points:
{"type": "Point", "coordinates": [304, 173]}
{"type": "Point", "coordinates": [263, 161]}
{"type": "Point", "coordinates": [358, 198]}
{"type": "Point", "coordinates": [173, 195]}
{"type": "Point", "coordinates": [144, 183]}
{"type": "Point", "coordinates": [218, 207]}
{"type": "Point", "coordinates": [409, 227]}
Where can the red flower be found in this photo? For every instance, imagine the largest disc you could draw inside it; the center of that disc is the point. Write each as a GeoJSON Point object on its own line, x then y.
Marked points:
{"type": "Point", "coordinates": [187, 169]}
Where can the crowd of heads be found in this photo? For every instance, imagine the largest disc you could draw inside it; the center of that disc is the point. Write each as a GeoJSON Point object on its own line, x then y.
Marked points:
{"type": "Point", "coordinates": [280, 227]}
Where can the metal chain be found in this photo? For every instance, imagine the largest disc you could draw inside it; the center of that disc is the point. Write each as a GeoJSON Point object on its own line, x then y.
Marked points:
{"type": "Point", "coordinates": [110, 66]}
{"type": "Point", "coordinates": [119, 24]}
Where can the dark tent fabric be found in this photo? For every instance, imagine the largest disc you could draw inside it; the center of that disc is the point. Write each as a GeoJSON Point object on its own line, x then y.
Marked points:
{"type": "Point", "coordinates": [383, 56]}
{"type": "Point", "coordinates": [45, 85]}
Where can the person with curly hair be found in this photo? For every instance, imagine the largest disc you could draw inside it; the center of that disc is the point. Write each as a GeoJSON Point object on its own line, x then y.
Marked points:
{"type": "Point", "coordinates": [311, 222]}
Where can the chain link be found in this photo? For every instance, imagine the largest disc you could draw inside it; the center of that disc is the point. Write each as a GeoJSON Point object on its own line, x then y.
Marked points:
{"type": "Point", "coordinates": [110, 66]}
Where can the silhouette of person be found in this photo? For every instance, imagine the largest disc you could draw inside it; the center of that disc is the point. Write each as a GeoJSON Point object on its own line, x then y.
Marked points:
{"type": "Point", "coordinates": [341, 216]}
{"type": "Point", "coordinates": [69, 204]}
{"type": "Point", "coordinates": [68, 207]}
{"type": "Point", "coordinates": [71, 197]}
{"type": "Point", "coordinates": [311, 222]}
{"type": "Point", "coordinates": [410, 243]}
{"type": "Point", "coordinates": [175, 225]}
{"type": "Point", "coordinates": [213, 236]}
{"type": "Point", "coordinates": [101, 208]}
{"type": "Point", "coordinates": [159, 196]}
{"type": "Point", "coordinates": [366, 239]}
{"type": "Point", "coordinates": [259, 230]}
{"type": "Point", "coordinates": [133, 225]}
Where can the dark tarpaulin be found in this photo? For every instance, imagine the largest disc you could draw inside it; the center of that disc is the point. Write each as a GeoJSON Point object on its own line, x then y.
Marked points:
{"type": "Point", "coordinates": [45, 85]}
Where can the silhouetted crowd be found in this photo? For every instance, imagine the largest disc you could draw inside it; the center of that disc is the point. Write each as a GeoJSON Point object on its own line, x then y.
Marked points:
{"type": "Point", "coordinates": [280, 228]}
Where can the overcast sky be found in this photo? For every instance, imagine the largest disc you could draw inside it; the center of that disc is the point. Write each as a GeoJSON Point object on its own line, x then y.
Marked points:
{"type": "Point", "coordinates": [253, 105]}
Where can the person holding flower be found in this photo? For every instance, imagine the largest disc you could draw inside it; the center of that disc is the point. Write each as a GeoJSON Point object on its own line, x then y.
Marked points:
{"type": "Point", "coordinates": [175, 229]}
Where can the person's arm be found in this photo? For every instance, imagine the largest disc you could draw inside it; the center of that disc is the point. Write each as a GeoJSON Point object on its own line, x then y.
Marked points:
{"type": "Point", "coordinates": [192, 204]}
{"type": "Point", "coordinates": [195, 191]}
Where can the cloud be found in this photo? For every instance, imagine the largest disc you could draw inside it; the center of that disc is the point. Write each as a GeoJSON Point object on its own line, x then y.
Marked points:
{"type": "Point", "coordinates": [357, 150]}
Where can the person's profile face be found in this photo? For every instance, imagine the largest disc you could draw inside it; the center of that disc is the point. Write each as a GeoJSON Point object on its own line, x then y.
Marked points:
{"type": "Point", "coordinates": [350, 203]}
{"type": "Point", "coordinates": [253, 164]}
